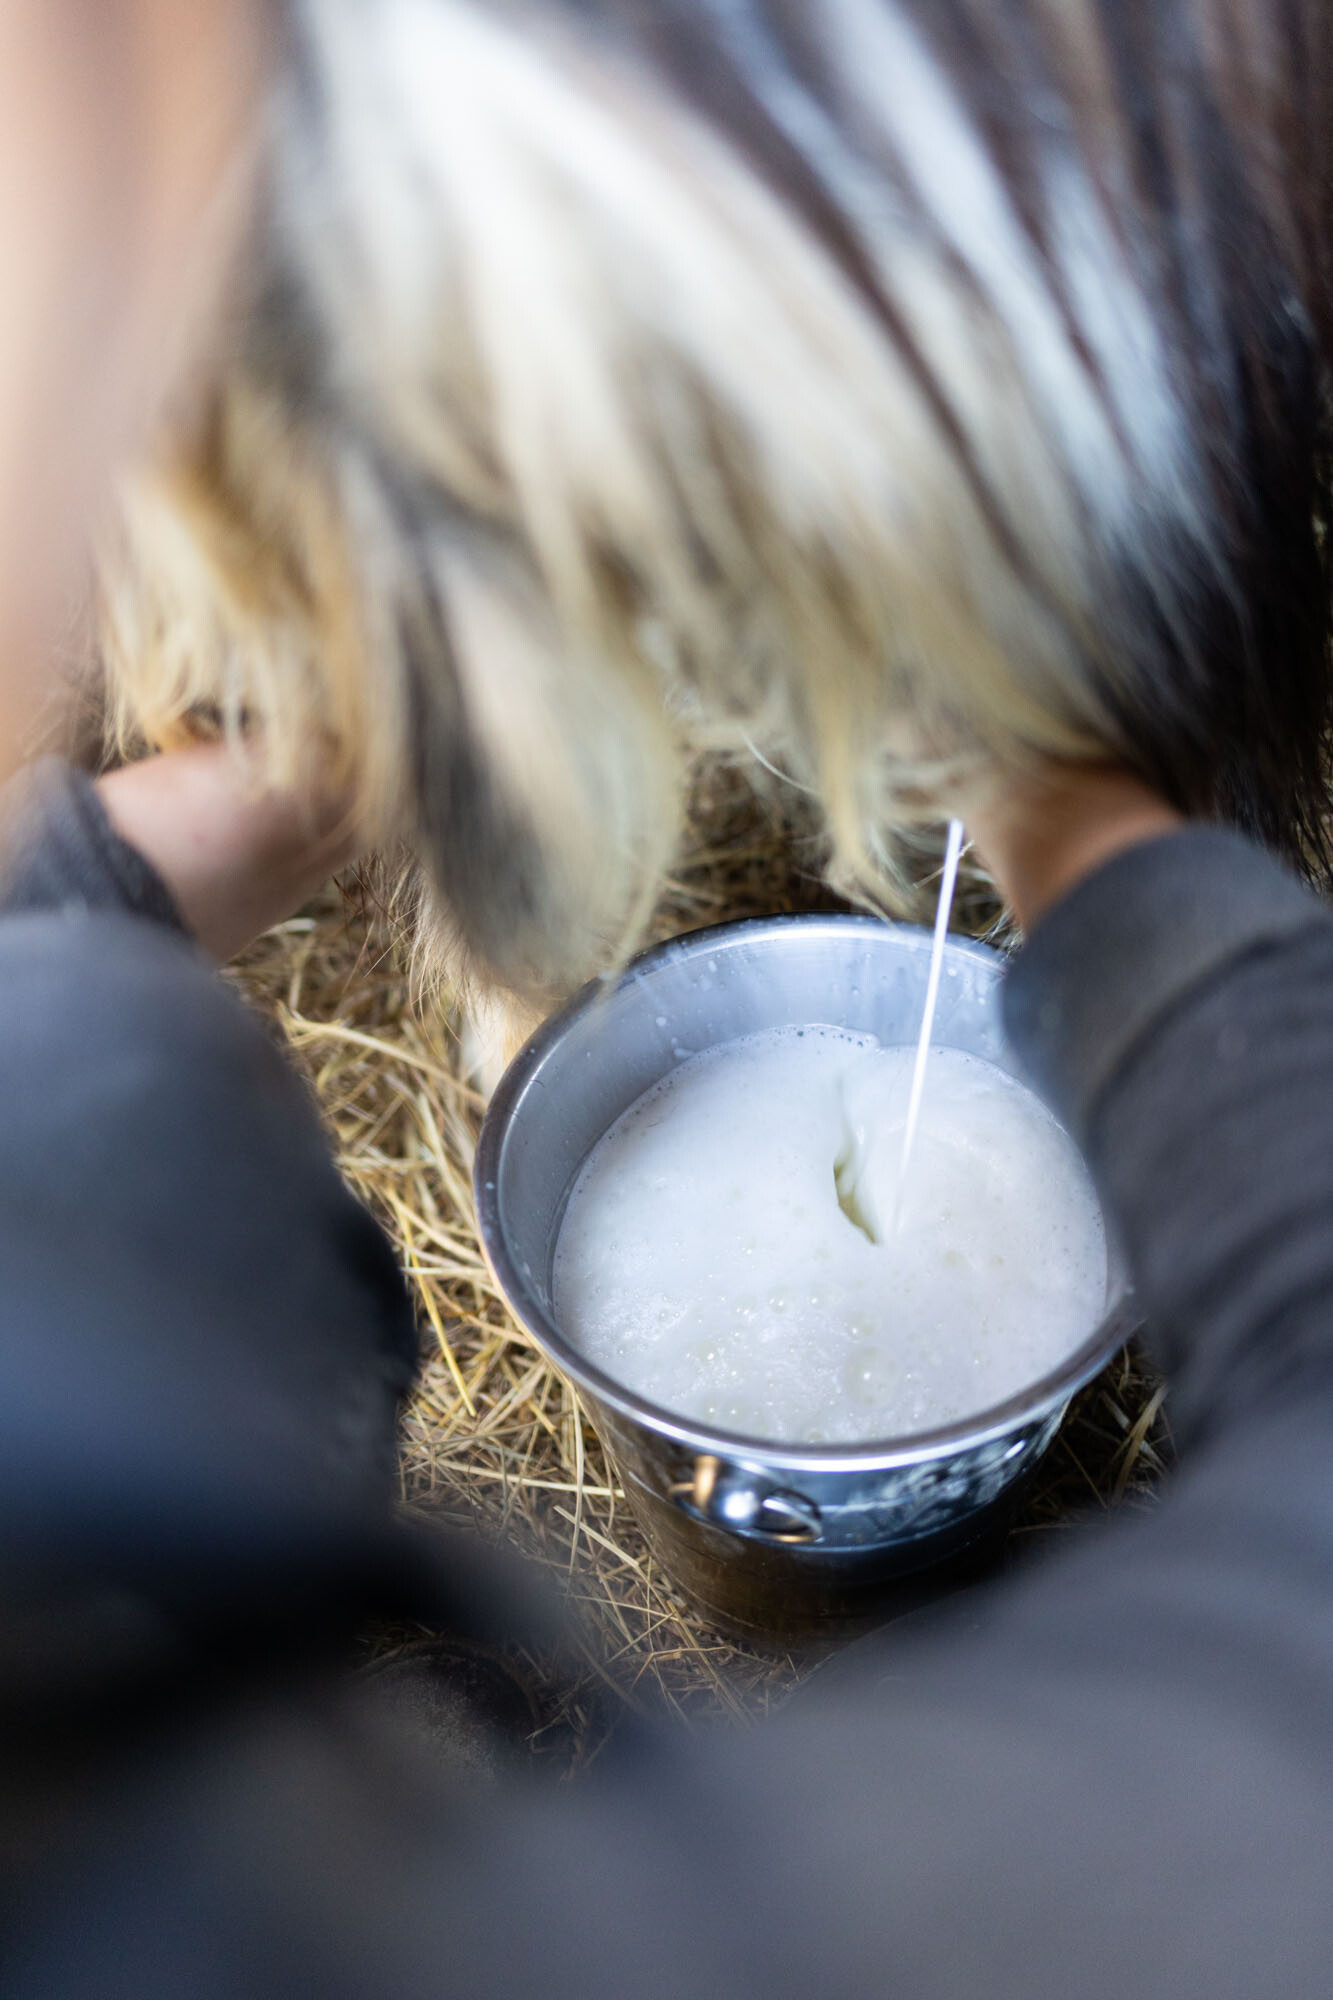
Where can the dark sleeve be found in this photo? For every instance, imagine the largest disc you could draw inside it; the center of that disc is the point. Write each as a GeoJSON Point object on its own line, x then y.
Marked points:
{"type": "Point", "coordinates": [59, 851]}
{"type": "Point", "coordinates": [1177, 1010]}
{"type": "Point", "coordinates": [204, 1339]}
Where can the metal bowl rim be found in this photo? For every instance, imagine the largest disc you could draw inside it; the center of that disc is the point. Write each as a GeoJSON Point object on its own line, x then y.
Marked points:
{"type": "Point", "coordinates": [1027, 1406]}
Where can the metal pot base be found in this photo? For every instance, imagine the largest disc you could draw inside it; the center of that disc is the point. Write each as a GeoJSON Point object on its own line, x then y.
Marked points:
{"type": "Point", "coordinates": [781, 1598]}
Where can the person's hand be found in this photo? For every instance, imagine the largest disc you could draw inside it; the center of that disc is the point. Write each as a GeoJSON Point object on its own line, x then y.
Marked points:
{"type": "Point", "coordinates": [1040, 835]}
{"type": "Point", "coordinates": [236, 859]}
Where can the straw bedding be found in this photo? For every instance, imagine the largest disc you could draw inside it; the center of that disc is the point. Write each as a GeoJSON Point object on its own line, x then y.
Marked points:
{"type": "Point", "coordinates": [493, 1436]}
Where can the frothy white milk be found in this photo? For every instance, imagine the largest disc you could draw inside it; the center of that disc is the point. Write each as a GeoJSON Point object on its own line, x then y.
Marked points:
{"type": "Point", "coordinates": [728, 1250]}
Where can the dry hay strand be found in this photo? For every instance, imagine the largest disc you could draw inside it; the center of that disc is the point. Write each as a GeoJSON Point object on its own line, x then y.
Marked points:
{"type": "Point", "coordinates": [494, 1437]}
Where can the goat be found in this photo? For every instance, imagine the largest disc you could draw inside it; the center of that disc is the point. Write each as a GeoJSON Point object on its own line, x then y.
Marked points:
{"type": "Point", "coordinates": [886, 389]}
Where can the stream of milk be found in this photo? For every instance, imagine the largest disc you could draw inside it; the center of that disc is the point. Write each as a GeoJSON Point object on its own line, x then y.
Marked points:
{"type": "Point", "coordinates": [943, 911]}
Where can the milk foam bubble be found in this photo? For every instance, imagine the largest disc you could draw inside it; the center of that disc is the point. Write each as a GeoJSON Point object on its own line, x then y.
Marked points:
{"type": "Point", "coordinates": [728, 1249]}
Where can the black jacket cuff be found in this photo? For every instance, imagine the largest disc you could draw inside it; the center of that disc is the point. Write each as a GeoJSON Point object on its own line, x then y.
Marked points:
{"type": "Point", "coordinates": [1130, 942]}
{"type": "Point", "coordinates": [59, 851]}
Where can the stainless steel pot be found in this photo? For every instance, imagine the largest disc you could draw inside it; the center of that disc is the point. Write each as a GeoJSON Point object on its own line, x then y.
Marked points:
{"type": "Point", "coordinates": [774, 1541]}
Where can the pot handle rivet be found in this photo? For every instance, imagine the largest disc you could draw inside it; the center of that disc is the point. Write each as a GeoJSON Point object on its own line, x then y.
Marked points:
{"type": "Point", "coordinates": [773, 1513]}
{"type": "Point", "coordinates": [787, 1517]}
